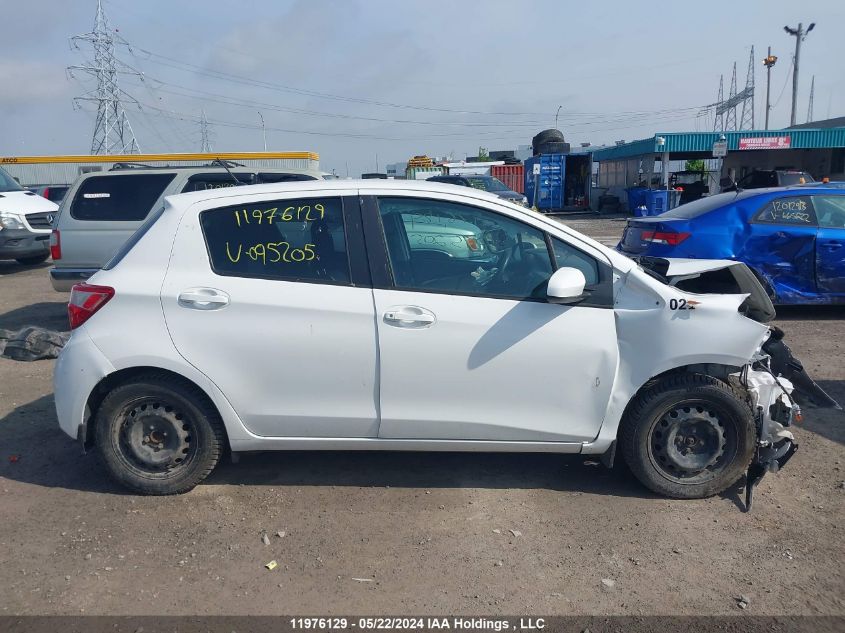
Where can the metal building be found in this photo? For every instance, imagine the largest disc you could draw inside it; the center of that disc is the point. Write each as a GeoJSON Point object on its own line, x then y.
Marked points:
{"type": "Point", "coordinates": [817, 148]}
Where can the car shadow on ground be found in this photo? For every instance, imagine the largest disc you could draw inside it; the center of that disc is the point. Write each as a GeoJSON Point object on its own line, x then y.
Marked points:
{"type": "Point", "coordinates": [35, 451]}
{"type": "Point", "coordinates": [11, 267]}
{"type": "Point", "coordinates": [809, 313]}
{"type": "Point", "coordinates": [48, 314]}
{"type": "Point", "coordinates": [829, 423]}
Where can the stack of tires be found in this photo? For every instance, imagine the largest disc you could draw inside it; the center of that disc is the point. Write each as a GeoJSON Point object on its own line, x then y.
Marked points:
{"type": "Point", "coordinates": [549, 142]}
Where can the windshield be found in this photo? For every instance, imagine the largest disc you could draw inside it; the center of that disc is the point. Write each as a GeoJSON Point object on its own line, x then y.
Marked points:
{"type": "Point", "coordinates": [486, 183]}
{"type": "Point", "coordinates": [7, 183]}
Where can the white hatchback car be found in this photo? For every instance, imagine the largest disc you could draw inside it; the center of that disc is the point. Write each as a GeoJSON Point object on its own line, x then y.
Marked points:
{"type": "Point", "coordinates": [301, 316]}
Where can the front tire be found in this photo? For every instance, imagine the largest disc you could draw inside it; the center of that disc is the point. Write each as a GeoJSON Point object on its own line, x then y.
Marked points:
{"type": "Point", "coordinates": [158, 436]}
{"type": "Point", "coordinates": [688, 436]}
{"type": "Point", "coordinates": [33, 261]}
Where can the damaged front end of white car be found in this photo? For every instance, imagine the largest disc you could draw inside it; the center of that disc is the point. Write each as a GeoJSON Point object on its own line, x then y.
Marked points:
{"type": "Point", "coordinates": [772, 379]}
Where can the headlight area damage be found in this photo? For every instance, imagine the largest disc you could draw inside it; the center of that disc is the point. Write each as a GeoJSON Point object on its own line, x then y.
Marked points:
{"type": "Point", "coordinates": [773, 379]}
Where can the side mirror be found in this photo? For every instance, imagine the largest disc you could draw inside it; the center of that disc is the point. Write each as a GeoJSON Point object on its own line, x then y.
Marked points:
{"type": "Point", "coordinates": [566, 285]}
{"type": "Point", "coordinates": [726, 183]}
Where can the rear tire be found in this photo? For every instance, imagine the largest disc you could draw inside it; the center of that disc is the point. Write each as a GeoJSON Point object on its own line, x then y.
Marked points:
{"type": "Point", "coordinates": [158, 436]}
{"type": "Point", "coordinates": [33, 261]}
{"type": "Point", "coordinates": [688, 436]}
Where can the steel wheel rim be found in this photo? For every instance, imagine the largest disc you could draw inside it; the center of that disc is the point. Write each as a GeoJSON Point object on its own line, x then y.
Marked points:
{"type": "Point", "coordinates": [155, 437]}
{"type": "Point", "coordinates": [692, 442]}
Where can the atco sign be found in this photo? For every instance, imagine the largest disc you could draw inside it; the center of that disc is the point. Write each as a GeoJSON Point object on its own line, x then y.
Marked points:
{"type": "Point", "coordinates": [765, 142]}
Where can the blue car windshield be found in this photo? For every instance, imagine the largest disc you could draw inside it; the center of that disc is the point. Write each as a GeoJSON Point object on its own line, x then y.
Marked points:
{"type": "Point", "coordinates": [700, 207]}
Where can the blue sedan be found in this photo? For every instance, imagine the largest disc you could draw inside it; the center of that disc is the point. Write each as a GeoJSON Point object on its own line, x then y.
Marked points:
{"type": "Point", "coordinates": [793, 238]}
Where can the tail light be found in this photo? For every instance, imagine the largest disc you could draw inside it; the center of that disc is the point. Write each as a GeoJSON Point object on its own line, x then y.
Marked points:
{"type": "Point", "coordinates": [85, 301]}
{"type": "Point", "coordinates": [472, 243]}
{"type": "Point", "coordinates": [56, 244]}
{"type": "Point", "coordinates": [664, 237]}
{"type": "Point", "coordinates": [46, 192]}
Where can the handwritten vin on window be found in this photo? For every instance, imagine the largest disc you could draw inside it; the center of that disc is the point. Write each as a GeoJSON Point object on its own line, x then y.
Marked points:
{"type": "Point", "coordinates": [793, 210]}
{"type": "Point", "coordinates": [299, 221]}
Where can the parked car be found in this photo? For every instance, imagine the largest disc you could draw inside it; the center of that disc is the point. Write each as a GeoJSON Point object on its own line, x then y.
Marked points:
{"type": "Point", "coordinates": [484, 183]}
{"type": "Point", "coordinates": [103, 209]}
{"type": "Point", "coordinates": [793, 238]}
{"type": "Point", "coordinates": [25, 223]}
{"type": "Point", "coordinates": [53, 193]}
{"type": "Point", "coordinates": [764, 178]}
{"type": "Point", "coordinates": [301, 316]}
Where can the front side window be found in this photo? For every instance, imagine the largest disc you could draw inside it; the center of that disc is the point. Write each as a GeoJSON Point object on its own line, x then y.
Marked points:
{"type": "Point", "coordinates": [124, 198]}
{"type": "Point", "coordinates": [796, 211]}
{"type": "Point", "coordinates": [567, 256]}
{"type": "Point", "coordinates": [830, 211]}
{"type": "Point", "coordinates": [441, 246]}
{"type": "Point", "coordinates": [299, 239]}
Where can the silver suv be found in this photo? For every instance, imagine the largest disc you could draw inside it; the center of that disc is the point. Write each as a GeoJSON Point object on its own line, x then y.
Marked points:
{"type": "Point", "coordinates": [103, 209]}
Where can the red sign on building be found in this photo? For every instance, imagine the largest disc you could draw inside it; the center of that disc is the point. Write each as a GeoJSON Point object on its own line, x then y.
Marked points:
{"type": "Point", "coordinates": [765, 142]}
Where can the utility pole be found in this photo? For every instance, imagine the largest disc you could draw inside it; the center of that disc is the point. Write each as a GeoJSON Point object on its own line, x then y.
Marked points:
{"type": "Point", "coordinates": [263, 130]}
{"type": "Point", "coordinates": [800, 35]}
{"type": "Point", "coordinates": [810, 106]}
{"type": "Point", "coordinates": [769, 61]}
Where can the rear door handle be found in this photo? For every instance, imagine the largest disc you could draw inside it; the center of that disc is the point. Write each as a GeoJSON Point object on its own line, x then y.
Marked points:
{"type": "Point", "coordinates": [203, 299]}
{"type": "Point", "coordinates": [409, 317]}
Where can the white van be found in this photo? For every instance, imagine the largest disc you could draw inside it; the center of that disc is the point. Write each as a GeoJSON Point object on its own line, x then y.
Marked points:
{"type": "Point", "coordinates": [25, 222]}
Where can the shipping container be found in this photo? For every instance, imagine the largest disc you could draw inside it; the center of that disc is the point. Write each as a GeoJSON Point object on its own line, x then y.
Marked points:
{"type": "Point", "coordinates": [511, 175]}
{"type": "Point", "coordinates": [422, 173]}
{"type": "Point", "coordinates": [563, 183]}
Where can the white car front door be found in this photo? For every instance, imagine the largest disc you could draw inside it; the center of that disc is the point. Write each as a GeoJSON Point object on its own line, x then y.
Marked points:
{"type": "Point", "coordinates": [469, 347]}
{"type": "Point", "coordinates": [265, 296]}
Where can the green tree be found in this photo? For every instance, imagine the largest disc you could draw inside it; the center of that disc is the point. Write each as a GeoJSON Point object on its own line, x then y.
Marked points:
{"type": "Point", "coordinates": [483, 155]}
{"type": "Point", "coordinates": [695, 165]}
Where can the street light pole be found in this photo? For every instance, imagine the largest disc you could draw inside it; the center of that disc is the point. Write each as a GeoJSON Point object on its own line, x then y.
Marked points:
{"type": "Point", "coordinates": [556, 114]}
{"type": "Point", "coordinates": [800, 35]}
{"type": "Point", "coordinates": [768, 62]}
{"type": "Point", "coordinates": [263, 130]}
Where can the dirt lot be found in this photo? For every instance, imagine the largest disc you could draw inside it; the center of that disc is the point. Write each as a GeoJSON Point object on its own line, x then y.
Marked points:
{"type": "Point", "coordinates": [427, 533]}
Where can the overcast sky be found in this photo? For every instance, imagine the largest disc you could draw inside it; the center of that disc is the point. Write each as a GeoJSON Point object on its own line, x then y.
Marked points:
{"type": "Point", "coordinates": [352, 79]}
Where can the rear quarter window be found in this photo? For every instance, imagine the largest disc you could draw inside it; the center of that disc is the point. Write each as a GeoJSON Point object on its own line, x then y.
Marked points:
{"type": "Point", "coordinates": [124, 198]}
{"type": "Point", "coordinates": [295, 240]}
{"type": "Point", "coordinates": [795, 211]}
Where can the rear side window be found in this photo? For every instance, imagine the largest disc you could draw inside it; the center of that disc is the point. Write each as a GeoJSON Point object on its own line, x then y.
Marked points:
{"type": "Point", "coordinates": [796, 211]}
{"type": "Point", "coordinates": [297, 240]}
{"type": "Point", "coordinates": [795, 178]}
{"type": "Point", "coordinates": [124, 198]}
{"type": "Point", "coordinates": [221, 180]}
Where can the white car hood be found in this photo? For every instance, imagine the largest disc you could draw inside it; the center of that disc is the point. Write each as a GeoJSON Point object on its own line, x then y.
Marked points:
{"type": "Point", "coordinates": [25, 202]}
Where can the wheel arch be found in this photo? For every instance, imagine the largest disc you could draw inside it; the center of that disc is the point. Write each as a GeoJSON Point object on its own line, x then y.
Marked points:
{"type": "Point", "coordinates": [125, 376]}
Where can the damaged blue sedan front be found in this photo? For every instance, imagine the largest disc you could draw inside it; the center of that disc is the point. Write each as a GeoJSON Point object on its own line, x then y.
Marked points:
{"type": "Point", "coordinates": [793, 238]}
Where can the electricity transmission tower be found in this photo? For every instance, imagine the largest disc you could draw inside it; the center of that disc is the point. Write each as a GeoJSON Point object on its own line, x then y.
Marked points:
{"type": "Point", "coordinates": [730, 118]}
{"type": "Point", "coordinates": [112, 131]}
{"type": "Point", "coordinates": [810, 107]}
{"type": "Point", "coordinates": [726, 108]}
{"type": "Point", "coordinates": [719, 121]}
{"type": "Point", "coordinates": [746, 121]}
{"type": "Point", "coordinates": [205, 142]}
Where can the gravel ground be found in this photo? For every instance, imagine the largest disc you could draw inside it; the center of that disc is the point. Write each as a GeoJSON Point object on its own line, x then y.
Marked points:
{"type": "Point", "coordinates": [410, 533]}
